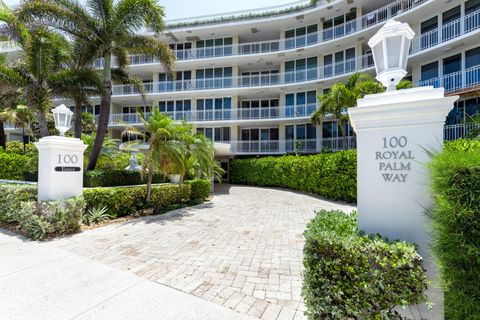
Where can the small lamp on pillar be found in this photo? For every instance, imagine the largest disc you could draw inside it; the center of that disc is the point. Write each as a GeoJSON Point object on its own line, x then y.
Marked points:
{"type": "Point", "coordinates": [63, 119]}
{"type": "Point", "coordinates": [390, 47]}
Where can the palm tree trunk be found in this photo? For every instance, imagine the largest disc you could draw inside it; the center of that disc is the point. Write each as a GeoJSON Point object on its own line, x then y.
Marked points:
{"type": "Point", "coordinates": [78, 120]}
{"type": "Point", "coordinates": [149, 182]}
{"type": "Point", "coordinates": [43, 124]}
{"type": "Point", "coordinates": [23, 139]}
{"type": "Point", "coordinates": [344, 136]}
{"type": "Point", "coordinates": [3, 136]}
{"type": "Point", "coordinates": [104, 113]}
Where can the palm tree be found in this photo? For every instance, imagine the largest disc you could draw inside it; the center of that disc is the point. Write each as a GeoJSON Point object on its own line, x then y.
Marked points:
{"type": "Point", "coordinates": [109, 28]}
{"type": "Point", "coordinates": [21, 117]}
{"type": "Point", "coordinates": [165, 152]}
{"type": "Point", "coordinates": [44, 53]}
{"type": "Point", "coordinates": [345, 95]}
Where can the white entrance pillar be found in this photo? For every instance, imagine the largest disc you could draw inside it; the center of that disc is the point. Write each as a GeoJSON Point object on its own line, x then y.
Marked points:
{"type": "Point", "coordinates": [60, 168]}
{"type": "Point", "coordinates": [395, 132]}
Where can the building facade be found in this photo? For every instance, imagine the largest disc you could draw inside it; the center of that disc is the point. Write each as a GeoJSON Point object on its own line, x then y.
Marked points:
{"type": "Point", "coordinates": [250, 81]}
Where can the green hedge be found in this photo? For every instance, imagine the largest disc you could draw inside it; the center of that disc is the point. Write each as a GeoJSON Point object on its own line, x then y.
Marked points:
{"type": "Point", "coordinates": [124, 201]}
{"type": "Point", "coordinates": [352, 276]}
{"type": "Point", "coordinates": [331, 175]}
{"type": "Point", "coordinates": [114, 178]}
{"type": "Point", "coordinates": [12, 165]}
{"type": "Point", "coordinates": [39, 220]}
{"type": "Point", "coordinates": [200, 189]}
{"type": "Point", "coordinates": [456, 224]}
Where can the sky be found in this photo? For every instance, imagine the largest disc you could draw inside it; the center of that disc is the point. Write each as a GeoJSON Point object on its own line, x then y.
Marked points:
{"type": "Point", "coordinates": [188, 8]}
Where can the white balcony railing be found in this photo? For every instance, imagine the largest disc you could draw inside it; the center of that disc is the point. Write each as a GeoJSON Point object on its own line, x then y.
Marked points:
{"type": "Point", "coordinates": [298, 111]}
{"type": "Point", "coordinates": [260, 80]}
{"type": "Point", "coordinates": [458, 131]}
{"type": "Point", "coordinates": [455, 81]}
{"type": "Point", "coordinates": [7, 46]}
{"type": "Point", "coordinates": [291, 146]}
{"type": "Point", "coordinates": [368, 20]}
{"type": "Point", "coordinates": [447, 32]}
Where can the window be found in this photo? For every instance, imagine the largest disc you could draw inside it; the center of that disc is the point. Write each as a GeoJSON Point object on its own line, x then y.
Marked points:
{"type": "Point", "coordinates": [429, 71]}
{"type": "Point", "coordinates": [182, 50]}
{"type": "Point", "coordinates": [259, 134]}
{"type": "Point", "coordinates": [214, 78]}
{"type": "Point", "coordinates": [429, 36]}
{"type": "Point", "coordinates": [336, 27]}
{"type": "Point", "coordinates": [176, 109]}
{"type": "Point", "coordinates": [217, 134]}
{"type": "Point", "coordinates": [214, 47]}
{"type": "Point", "coordinates": [259, 109]}
{"type": "Point", "coordinates": [300, 104]}
{"type": "Point", "coordinates": [451, 23]}
{"type": "Point", "coordinates": [264, 78]}
{"type": "Point", "coordinates": [214, 109]}
{"type": "Point", "coordinates": [301, 70]}
{"type": "Point", "coordinates": [472, 62]}
{"type": "Point", "coordinates": [301, 36]}
{"type": "Point", "coordinates": [344, 62]}
{"type": "Point", "coordinates": [301, 137]}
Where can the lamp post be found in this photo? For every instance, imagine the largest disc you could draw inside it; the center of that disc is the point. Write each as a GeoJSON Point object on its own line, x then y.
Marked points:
{"type": "Point", "coordinates": [63, 119]}
{"type": "Point", "coordinates": [390, 48]}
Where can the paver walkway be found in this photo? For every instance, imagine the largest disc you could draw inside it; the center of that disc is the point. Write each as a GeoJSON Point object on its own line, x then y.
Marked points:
{"type": "Point", "coordinates": [243, 250]}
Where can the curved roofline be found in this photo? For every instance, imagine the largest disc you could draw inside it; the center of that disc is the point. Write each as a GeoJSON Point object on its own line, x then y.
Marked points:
{"type": "Point", "coordinates": [246, 15]}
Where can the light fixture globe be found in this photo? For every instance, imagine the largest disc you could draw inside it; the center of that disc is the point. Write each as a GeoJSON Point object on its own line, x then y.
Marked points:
{"type": "Point", "coordinates": [390, 48]}
{"type": "Point", "coordinates": [63, 118]}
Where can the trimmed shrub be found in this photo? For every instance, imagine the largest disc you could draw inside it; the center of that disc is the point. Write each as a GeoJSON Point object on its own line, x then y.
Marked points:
{"type": "Point", "coordinates": [11, 199]}
{"type": "Point", "coordinates": [114, 178]}
{"type": "Point", "coordinates": [456, 226]}
{"type": "Point", "coordinates": [17, 147]}
{"type": "Point", "coordinates": [200, 189]}
{"type": "Point", "coordinates": [331, 175]}
{"type": "Point", "coordinates": [353, 276]}
{"type": "Point", "coordinates": [40, 220]}
{"type": "Point", "coordinates": [12, 165]}
{"type": "Point", "coordinates": [124, 201]}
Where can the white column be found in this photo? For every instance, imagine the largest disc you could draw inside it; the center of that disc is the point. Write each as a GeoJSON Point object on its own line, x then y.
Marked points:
{"type": "Point", "coordinates": [60, 167]}
{"type": "Point", "coordinates": [394, 132]}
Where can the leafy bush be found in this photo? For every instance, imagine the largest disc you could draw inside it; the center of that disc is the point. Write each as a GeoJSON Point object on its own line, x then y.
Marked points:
{"type": "Point", "coordinates": [17, 147]}
{"type": "Point", "coordinates": [352, 276]}
{"type": "Point", "coordinates": [456, 226]}
{"type": "Point", "coordinates": [332, 175]}
{"type": "Point", "coordinates": [200, 189]}
{"type": "Point", "coordinates": [463, 145]}
{"type": "Point", "coordinates": [11, 199]}
{"type": "Point", "coordinates": [124, 201]}
{"type": "Point", "coordinates": [12, 165]}
{"type": "Point", "coordinates": [113, 178]}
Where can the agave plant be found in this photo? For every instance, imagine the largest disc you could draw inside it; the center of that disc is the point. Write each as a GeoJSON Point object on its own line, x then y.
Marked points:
{"type": "Point", "coordinates": [96, 216]}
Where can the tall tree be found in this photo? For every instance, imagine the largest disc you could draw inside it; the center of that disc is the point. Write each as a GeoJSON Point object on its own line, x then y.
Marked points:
{"type": "Point", "coordinates": [343, 96]}
{"type": "Point", "coordinates": [111, 28]}
{"type": "Point", "coordinates": [44, 53]}
{"type": "Point", "coordinates": [21, 117]}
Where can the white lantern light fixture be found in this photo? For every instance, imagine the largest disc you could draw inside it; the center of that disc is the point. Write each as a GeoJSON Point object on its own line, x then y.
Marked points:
{"type": "Point", "coordinates": [390, 47]}
{"type": "Point", "coordinates": [63, 118]}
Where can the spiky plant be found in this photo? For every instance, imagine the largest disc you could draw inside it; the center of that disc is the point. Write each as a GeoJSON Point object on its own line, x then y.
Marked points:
{"type": "Point", "coordinates": [96, 216]}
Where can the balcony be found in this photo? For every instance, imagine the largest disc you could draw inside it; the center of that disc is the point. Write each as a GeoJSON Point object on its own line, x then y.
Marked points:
{"type": "Point", "coordinates": [9, 46]}
{"type": "Point", "coordinates": [311, 74]}
{"type": "Point", "coordinates": [291, 146]}
{"type": "Point", "coordinates": [447, 32]}
{"type": "Point", "coordinates": [298, 111]}
{"type": "Point", "coordinates": [456, 81]}
{"type": "Point", "coordinates": [366, 21]}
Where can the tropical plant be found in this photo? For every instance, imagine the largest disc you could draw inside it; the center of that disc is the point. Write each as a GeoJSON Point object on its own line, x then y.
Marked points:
{"type": "Point", "coordinates": [96, 215]}
{"type": "Point", "coordinates": [345, 95]}
{"type": "Point", "coordinates": [165, 152]}
{"type": "Point", "coordinates": [87, 124]}
{"type": "Point", "coordinates": [107, 28]}
{"type": "Point", "coordinates": [474, 133]}
{"type": "Point", "coordinates": [20, 117]}
{"type": "Point", "coordinates": [44, 53]}
{"type": "Point", "coordinates": [109, 150]}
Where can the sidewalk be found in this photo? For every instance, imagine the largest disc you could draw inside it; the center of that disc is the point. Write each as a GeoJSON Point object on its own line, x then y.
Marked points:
{"type": "Point", "coordinates": [39, 281]}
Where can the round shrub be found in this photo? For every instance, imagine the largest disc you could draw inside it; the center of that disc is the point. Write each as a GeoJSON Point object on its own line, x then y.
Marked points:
{"type": "Point", "coordinates": [12, 165]}
{"type": "Point", "coordinates": [200, 188]}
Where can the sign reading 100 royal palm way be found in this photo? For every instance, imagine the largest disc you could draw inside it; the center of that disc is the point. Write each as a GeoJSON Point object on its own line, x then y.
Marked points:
{"type": "Point", "coordinates": [60, 168]}
{"type": "Point", "coordinates": [394, 159]}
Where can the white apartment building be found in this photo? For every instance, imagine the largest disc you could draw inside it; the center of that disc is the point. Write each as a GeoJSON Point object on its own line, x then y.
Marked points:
{"type": "Point", "coordinates": [250, 80]}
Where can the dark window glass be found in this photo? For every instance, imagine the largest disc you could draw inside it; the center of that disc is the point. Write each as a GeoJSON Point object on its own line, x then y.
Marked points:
{"type": "Point", "coordinates": [301, 134]}
{"type": "Point", "coordinates": [274, 134]}
{"type": "Point", "coordinates": [429, 25]}
{"type": "Point", "coordinates": [289, 132]}
{"type": "Point", "coordinates": [289, 33]}
{"type": "Point", "coordinates": [452, 64]}
{"type": "Point", "coordinates": [429, 71]}
{"type": "Point", "coordinates": [311, 131]}
{"type": "Point", "coordinates": [451, 15]}
{"type": "Point", "coordinates": [472, 58]}
{"type": "Point", "coordinates": [226, 134]}
{"type": "Point", "coordinates": [471, 6]}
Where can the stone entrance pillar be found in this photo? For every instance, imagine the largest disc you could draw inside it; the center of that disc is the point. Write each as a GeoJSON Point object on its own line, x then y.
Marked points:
{"type": "Point", "coordinates": [60, 167]}
{"type": "Point", "coordinates": [395, 130]}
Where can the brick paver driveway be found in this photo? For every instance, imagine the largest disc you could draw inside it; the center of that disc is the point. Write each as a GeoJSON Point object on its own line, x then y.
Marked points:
{"type": "Point", "coordinates": [242, 250]}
